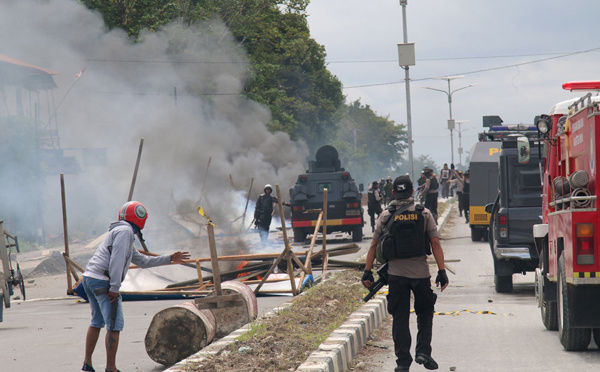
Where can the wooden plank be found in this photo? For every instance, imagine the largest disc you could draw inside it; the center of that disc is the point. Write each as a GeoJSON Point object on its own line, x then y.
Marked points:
{"type": "Point", "coordinates": [324, 250]}
{"type": "Point", "coordinates": [247, 201]}
{"type": "Point", "coordinates": [65, 232]}
{"type": "Point", "coordinates": [199, 270]}
{"type": "Point", "coordinates": [286, 242]}
{"type": "Point", "coordinates": [73, 263]}
{"type": "Point", "coordinates": [210, 228]}
{"type": "Point", "coordinates": [310, 250]}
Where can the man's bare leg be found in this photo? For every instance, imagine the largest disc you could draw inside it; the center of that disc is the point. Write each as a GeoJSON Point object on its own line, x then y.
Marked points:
{"type": "Point", "coordinates": [111, 350]}
{"type": "Point", "coordinates": [91, 339]}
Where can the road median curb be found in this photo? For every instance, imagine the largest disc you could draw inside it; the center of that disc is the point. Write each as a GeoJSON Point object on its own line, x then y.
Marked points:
{"type": "Point", "coordinates": [338, 351]}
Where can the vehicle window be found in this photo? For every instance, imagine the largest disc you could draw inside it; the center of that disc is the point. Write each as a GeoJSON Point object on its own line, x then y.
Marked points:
{"type": "Point", "coordinates": [524, 184]}
{"type": "Point", "coordinates": [325, 185]}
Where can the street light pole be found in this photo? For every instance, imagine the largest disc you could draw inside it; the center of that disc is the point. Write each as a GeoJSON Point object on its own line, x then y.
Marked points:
{"type": "Point", "coordinates": [460, 149]}
{"type": "Point", "coordinates": [449, 93]}
{"type": "Point", "coordinates": [403, 3]}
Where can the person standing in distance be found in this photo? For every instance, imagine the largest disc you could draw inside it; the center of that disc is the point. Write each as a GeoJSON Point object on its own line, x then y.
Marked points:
{"type": "Point", "coordinates": [374, 203]}
{"type": "Point", "coordinates": [408, 271]}
{"type": "Point", "coordinates": [445, 175]}
{"type": "Point", "coordinates": [263, 212]}
{"type": "Point", "coordinates": [387, 191]}
{"type": "Point", "coordinates": [104, 274]}
{"type": "Point", "coordinates": [430, 193]}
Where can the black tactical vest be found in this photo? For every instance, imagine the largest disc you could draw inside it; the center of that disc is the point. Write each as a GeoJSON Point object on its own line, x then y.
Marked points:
{"type": "Point", "coordinates": [407, 235]}
{"type": "Point", "coordinates": [434, 185]}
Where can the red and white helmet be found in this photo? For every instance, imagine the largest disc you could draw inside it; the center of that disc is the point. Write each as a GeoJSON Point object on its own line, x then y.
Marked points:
{"type": "Point", "coordinates": [134, 212]}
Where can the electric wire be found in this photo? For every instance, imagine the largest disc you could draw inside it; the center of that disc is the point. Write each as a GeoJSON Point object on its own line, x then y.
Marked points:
{"type": "Point", "coordinates": [483, 70]}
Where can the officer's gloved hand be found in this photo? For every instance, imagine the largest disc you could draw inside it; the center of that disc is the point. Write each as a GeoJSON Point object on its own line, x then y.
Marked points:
{"type": "Point", "coordinates": [367, 278]}
{"type": "Point", "coordinates": [441, 280]}
{"type": "Point", "coordinates": [256, 222]}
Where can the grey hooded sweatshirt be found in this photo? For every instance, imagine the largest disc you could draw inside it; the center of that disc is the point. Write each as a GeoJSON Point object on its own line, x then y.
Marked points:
{"type": "Point", "coordinates": [114, 255]}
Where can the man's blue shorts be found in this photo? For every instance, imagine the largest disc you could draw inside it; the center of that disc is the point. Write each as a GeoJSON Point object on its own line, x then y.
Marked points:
{"type": "Point", "coordinates": [100, 304]}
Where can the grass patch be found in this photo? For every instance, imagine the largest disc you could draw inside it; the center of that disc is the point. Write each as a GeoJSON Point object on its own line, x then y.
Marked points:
{"type": "Point", "coordinates": [282, 342]}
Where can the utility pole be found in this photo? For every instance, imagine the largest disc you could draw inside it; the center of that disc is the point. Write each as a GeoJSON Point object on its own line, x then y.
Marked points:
{"type": "Point", "coordinates": [449, 93]}
{"type": "Point", "coordinates": [406, 58]}
{"type": "Point", "coordinates": [460, 149]}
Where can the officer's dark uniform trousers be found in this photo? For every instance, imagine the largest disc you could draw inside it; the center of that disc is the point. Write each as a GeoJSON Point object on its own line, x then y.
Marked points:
{"type": "Point", "coordinates": [399, 308]}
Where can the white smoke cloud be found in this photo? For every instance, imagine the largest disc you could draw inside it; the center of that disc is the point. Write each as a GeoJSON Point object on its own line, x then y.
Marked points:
{"type": "Point", "coordinates": [127, 92]}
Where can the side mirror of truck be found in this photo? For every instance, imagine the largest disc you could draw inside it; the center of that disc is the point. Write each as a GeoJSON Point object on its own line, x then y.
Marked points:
{"type": "Point", "coordinates": [361, 187]}
{"type": "Point", "coordinates": [489, 208]}
{"type": "Point", "coordinates": [523, 150]}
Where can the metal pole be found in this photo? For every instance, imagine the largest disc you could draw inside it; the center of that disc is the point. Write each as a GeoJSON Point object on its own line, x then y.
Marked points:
{"type": "Point", "coordinates": [451, 134]}
{"type": "Point", "coordinates": [407, 85]}
{"type": "Point", "coordinates": [459, 145]}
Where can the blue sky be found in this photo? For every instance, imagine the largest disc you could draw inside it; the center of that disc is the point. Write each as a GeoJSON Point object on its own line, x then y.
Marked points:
{"type": "Point", "coordinates": [520, 45]}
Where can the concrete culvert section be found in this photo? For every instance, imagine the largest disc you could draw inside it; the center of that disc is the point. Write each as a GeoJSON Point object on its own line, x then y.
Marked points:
{"type": "Point", "coordinates": [231, 318]}
{"type": "Point", "coordinates": [178, 332]}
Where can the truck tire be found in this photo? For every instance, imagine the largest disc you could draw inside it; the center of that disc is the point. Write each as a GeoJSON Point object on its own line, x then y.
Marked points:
{"type": "Point", "coordinates": [572, 339]}
{"type": "Point", "coordinates": [357, 233]}
{"type": "Point", "coordinates": [475, 234]}
{"type": "Point", "coordinates": [547, 308]}
{"type": "Point", "coordinates": [596, 333]}
{"type": "Point", "coordinates": [549, 314]}
{"type": "Point", "coordinates": [503, 283]}
{"type": "Point", "coordinates": [5, 294]}
{"type": "Point", "coordinates": [299, 235]}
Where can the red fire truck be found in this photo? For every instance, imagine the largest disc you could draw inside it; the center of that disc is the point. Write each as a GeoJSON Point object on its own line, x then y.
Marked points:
{"type": "Point", "coordinates": [568, 277]}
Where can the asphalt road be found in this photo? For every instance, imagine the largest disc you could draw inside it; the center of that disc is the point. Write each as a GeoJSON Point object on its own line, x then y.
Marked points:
{"type": "Point", "coordinates": [513, 338]}
{"type": "Point", "coordinates": [46, 333]}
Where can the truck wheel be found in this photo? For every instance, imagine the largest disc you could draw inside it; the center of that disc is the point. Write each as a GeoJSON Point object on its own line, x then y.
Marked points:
{"type": "Point", "coordinates": [503, 283]}
{"type": "Point", "coordinates": [596, 334]}
{"type": "Point", "coordinates": [485, 235]}
{"type": "Point", "coordinates": [572, 339]}
{"type": "Point", "coordinates": [549, 314]}
{"type": "Point", "coordinates": [5, 294]}
{"type": "Point", "coordinates": [299, 235]}
{"type": "Point", "coordinates": [475, 234]}
{"type": "Point", "coordinates": [357, 233]}
{"type": "Point", "coordinates": [21, 281]}
{"type": "Point", "coordinates": [547, 308]}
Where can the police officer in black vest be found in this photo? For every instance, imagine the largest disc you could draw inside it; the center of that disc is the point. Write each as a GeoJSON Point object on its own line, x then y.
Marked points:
{"type": "Point", "coordinates": [414, 235]}
{"type": "Point", "coordinates": [263, 212]}
{"type": "Point", "coordinates": [374, 203]}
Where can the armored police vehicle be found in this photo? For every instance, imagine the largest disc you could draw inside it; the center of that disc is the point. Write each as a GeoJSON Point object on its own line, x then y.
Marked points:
{"type": "Point", "coordinates": [517, 208]}
{"type": "Point", "coordinates": [483, 172]}
{"type": "Point", "coordinates": [344, 208]}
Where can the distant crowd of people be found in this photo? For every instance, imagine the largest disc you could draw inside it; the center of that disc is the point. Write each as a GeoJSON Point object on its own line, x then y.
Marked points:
{"type": "Point", "coordinates": [429, 188]}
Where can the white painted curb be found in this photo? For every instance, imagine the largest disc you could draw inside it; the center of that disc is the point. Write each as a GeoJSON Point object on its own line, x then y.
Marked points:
{"type": "Point", "coordinates": [339, 350]}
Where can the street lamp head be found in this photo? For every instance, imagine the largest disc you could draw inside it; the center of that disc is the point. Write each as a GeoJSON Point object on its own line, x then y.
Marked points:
{"type": "Point", "coordinates": [453, 77]}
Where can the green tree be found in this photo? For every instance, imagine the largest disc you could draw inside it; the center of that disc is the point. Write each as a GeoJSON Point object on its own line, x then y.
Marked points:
{"type": "Point", "coordinates": [422, 161]}
{"type": "Point", "coordinates": [370, 145]}
{"type": "Point", "coordinates": [288, 71]}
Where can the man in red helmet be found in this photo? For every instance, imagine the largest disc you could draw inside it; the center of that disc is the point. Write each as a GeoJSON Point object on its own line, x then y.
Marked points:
{"type": "Point", "coordinates": [104, 274]}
